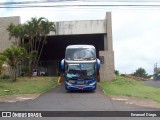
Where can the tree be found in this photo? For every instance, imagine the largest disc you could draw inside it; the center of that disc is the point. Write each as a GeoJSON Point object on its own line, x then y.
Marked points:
{"type": "Point", "coordinates": [46, 27]}
{"type": "Point", "coordinates": [35, 33]}
{"type": "Point", "coordinates": [31, 58]}
{"type": "Point", "coordinates": [116, 72]}
{"type": "Point", "coordinates": [12, 56]}
{"type": "Point", "coordinates": [15, 31]}
{"type": "Point", "coordinates": [140, 72]}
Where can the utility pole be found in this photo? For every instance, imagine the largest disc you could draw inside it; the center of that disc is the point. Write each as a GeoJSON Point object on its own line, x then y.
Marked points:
{"type": "Point", "coordinates": [155, 71]}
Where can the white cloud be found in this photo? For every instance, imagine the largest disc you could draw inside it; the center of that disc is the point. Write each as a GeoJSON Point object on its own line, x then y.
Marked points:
{"type": "Point", "coordinates": [136, 40]}
{"type": "Point", "coordinates": [56, 14]}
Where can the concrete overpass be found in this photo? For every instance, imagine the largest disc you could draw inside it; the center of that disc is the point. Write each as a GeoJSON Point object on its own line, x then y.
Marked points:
{"type": "Point", "coordinates": [94, 32]}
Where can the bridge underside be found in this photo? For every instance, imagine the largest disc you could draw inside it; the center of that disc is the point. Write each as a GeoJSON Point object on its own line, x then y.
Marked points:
{"type": "Point", "coordinates": [54, 50]}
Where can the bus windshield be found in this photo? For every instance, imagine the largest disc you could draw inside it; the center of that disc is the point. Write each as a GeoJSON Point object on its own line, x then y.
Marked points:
{"type": "Point", "coordinates": [80, 54]}
{"type": "Point", "coordinates": [82, 70]}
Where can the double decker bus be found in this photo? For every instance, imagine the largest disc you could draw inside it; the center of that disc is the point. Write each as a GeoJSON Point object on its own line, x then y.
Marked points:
{"type": "Point", "coordinates": [81, 67]}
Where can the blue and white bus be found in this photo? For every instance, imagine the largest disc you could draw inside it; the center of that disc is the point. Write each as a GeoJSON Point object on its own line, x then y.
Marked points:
{"type": "Point", "coordinates": [81, 67]}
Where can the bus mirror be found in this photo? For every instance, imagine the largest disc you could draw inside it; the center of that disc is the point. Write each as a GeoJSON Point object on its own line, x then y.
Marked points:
{"type": "Point", "coordinates": [98, 64]}
{"type": "Point", "coordinates": [62, 64]}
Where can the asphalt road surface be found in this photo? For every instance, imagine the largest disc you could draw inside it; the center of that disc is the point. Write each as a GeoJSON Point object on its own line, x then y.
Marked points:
{"type": "Point", "coordinates": [153, 83]}
{"type": "Point", "coordinates": [58, 99]}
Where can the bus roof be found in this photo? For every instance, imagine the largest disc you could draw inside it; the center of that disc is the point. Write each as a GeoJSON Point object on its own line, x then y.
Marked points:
{"type": "Point", "coordinates": [80, 46]}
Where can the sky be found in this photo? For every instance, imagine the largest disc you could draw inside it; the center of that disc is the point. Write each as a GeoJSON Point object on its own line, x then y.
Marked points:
{"type": "Point", "coordinates": [136, 30]}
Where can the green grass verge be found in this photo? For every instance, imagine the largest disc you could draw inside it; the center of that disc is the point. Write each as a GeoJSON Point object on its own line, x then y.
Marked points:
{"type": "Point", "coordinates": [124, 86]}
{"type": "Point", "coordinates": [26, 85]}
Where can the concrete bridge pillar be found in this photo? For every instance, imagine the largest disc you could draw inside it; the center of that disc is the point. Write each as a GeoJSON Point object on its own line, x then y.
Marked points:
{"type": "Point", "coordinates": [107, 56]}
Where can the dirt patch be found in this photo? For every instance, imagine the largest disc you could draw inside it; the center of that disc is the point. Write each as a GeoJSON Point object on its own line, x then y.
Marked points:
{"type": "Point", "coordinates": [15, 98]}
{"type": "Point", "coordinates": [137, 101]}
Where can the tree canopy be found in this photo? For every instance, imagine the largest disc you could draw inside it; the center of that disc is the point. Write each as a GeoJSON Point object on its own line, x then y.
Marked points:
{"type": "Point", "coordinates": [32, 35]}
{"type": "Point", "coordinates": [12, 56]}
{"type": "Point", "coordinates": [140, 72]}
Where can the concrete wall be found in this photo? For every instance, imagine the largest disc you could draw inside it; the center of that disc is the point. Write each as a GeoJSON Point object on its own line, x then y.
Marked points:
{"type": "Point", "coordinates": [80, 27]}
{"type": "Point", "coordinates": [107, 69]}
{"type": "Point", "coordinates": [4, 35]}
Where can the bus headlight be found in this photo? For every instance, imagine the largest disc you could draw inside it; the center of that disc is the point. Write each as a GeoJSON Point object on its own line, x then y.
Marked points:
{"type": "Point", "coordinates": [68, 83]}
{"type": "Point", "coordinates": [92, 83]}
{"type": "Point", "coordinates": [71, 81]}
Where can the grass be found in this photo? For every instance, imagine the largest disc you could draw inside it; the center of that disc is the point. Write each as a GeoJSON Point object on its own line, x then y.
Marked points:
{"type": "Point", "coordinates": [26, 85]}
{"type": "Point", "coordinates": [124, 86]}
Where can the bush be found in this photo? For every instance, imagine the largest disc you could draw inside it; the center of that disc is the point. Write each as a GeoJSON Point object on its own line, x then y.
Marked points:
{"type": "Point", "coordinates": [141, 72]}
{"type": "Point", "coordinates": [1, 69]}
{"type": "Point", "coordinates": [5, 77]}
{"type": "Point", "coordinates": [25, 71]}
{"type": "Point", "coordinates": [116, 72]}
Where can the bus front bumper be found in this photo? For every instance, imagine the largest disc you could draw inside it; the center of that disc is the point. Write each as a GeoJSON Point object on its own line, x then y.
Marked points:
{"type": "Point", "coordinates": [91, 86]}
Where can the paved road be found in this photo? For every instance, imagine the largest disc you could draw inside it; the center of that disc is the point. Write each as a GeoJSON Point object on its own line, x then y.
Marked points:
{"type": "Point", "coordinates": [59, 99]}
{"type": "Point", "coordinates": [153, 83]}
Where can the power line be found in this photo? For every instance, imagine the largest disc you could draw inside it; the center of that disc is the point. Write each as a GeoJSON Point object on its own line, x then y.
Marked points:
{"type": "Point", "coordinates": [36, 2]}
{"type": "Point", "coordinates": [33, 4]}
{"type": "Point", "coordinates": [53, 1]}
{"type": "Point", "coordinates": [50, 6]}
